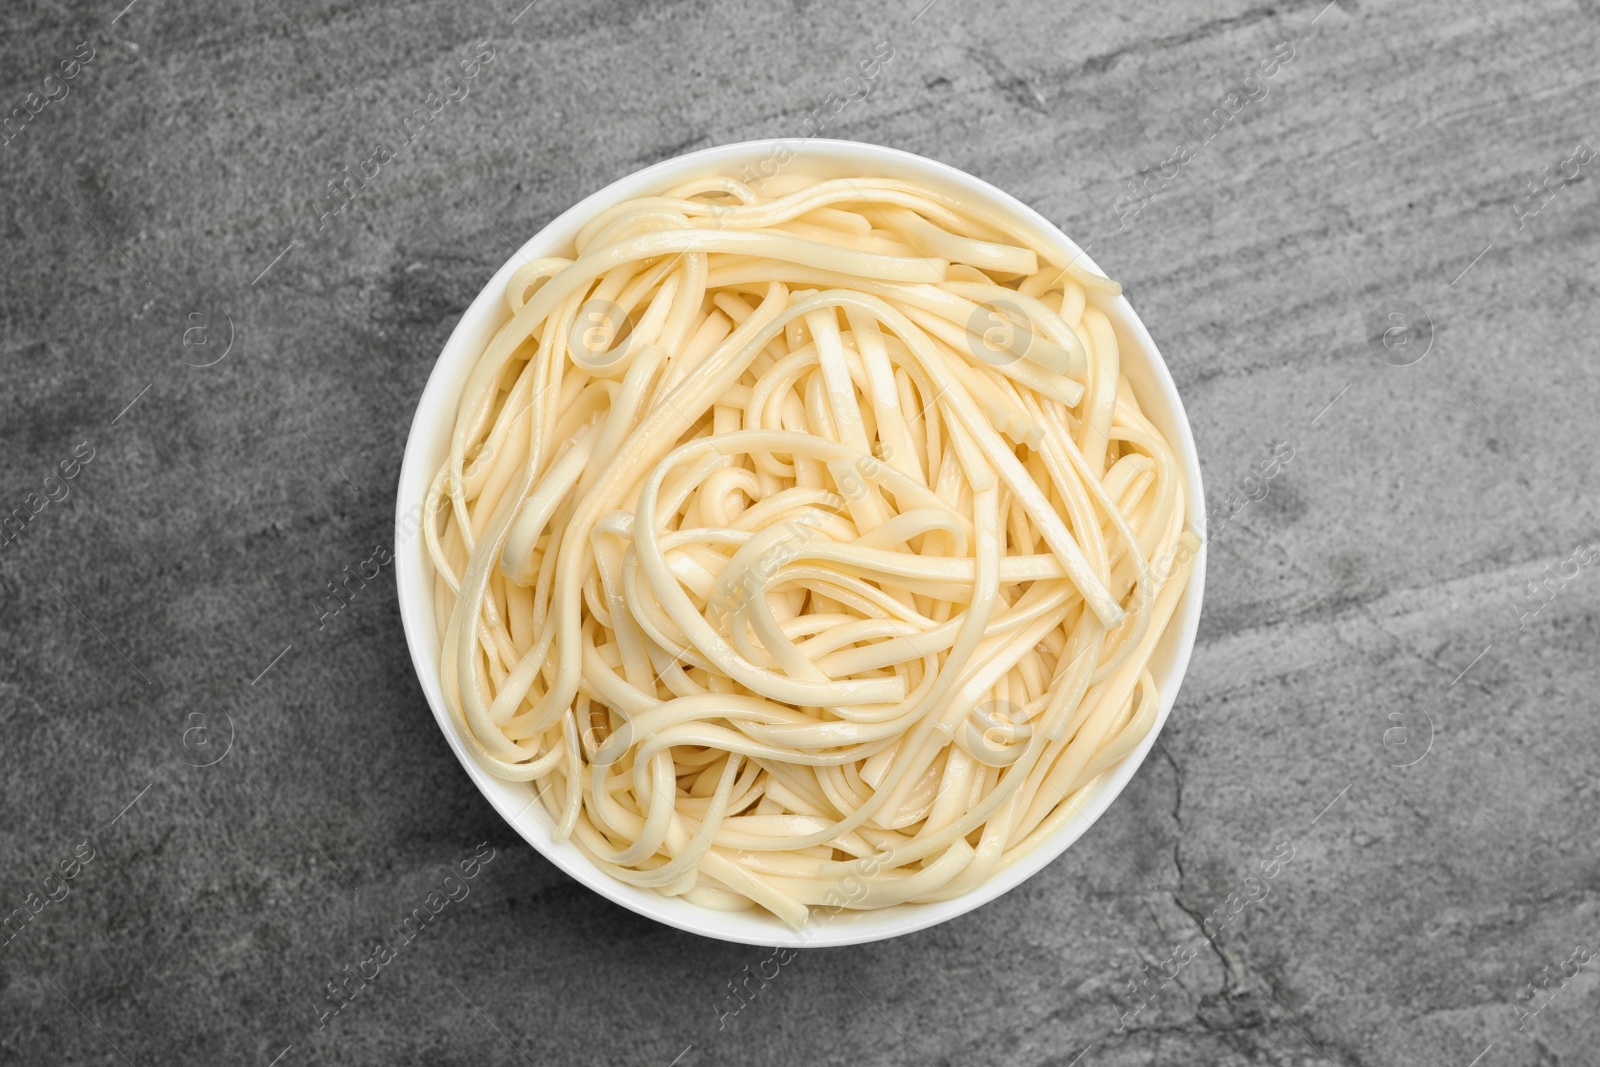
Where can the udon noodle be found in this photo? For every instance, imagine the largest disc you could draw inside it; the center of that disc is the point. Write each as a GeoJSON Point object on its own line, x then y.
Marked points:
{"type": "Point", "coordinates": [804, 544]}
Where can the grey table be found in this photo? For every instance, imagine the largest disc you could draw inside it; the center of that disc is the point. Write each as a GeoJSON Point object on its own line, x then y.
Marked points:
{"type": "Point", "coordinates": [1368, 834]}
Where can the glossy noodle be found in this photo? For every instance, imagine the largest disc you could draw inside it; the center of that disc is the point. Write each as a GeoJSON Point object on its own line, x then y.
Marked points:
{"type": "Point", "coordinates": [805, 545]}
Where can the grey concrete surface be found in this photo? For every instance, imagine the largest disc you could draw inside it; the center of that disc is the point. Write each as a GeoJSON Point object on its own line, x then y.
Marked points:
{"type": "Point", "coordinates": [1379, 714]}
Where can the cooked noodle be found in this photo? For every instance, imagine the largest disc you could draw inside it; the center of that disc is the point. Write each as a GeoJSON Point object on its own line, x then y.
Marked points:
{"type": "Point", "coordinates": [804, 545]}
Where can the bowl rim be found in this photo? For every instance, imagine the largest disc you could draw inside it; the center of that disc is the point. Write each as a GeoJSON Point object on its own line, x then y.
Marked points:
{"type": "Point", "coordinates": [435, 415]}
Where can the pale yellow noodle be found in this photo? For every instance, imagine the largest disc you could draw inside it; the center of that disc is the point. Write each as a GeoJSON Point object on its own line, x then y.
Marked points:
{"type": "Point", "coordinates": [805, 545]}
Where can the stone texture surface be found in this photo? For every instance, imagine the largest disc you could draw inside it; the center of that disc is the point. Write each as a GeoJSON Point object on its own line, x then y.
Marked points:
{"type": "Point", "coordinates": [1384, 573]}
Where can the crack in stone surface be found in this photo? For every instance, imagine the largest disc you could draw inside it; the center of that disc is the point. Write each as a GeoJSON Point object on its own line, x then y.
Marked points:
{"type": "Point", "coordinates": [1177, 863]}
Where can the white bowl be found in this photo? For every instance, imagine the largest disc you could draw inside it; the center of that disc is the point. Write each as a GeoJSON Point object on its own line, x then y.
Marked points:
{"type": "Point", "coordinates": [429, 443]}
